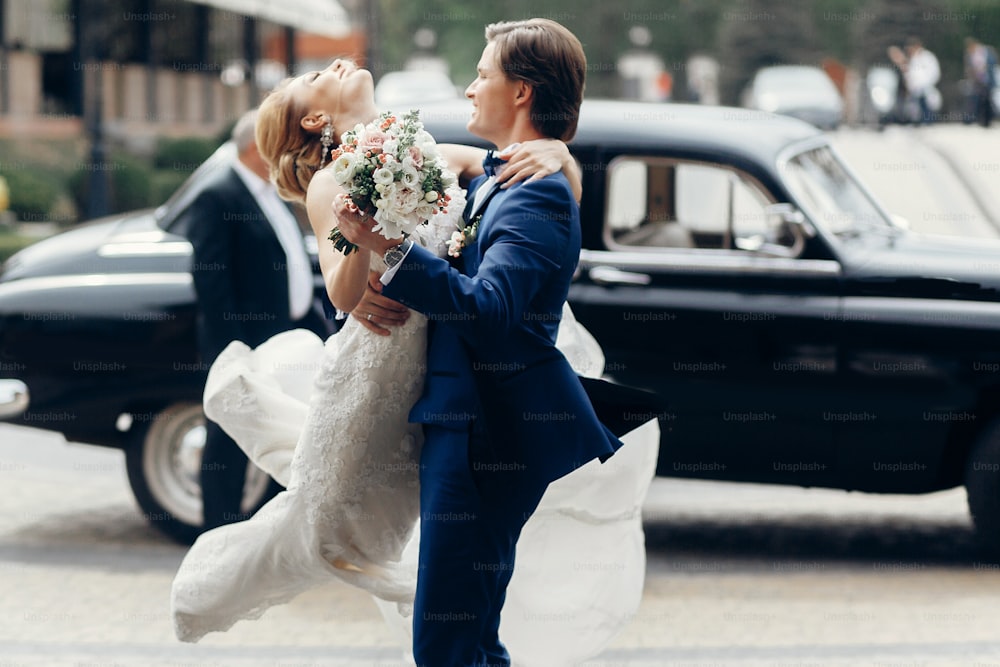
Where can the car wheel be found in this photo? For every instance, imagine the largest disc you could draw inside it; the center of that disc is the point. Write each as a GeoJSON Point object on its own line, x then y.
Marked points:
{"type": "Point", "coordinates": [982, 484]}
{"type": "Point", "coordinates": [163, 462]}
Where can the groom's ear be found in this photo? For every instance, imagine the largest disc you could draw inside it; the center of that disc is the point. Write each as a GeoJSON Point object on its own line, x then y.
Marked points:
{"type": "Point", "coordinates": [523, 93]}
{"type": "Point", "coordinates": [313, 122]}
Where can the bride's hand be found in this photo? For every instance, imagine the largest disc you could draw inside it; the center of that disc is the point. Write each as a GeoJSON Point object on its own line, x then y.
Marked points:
{"type": "Point", "coordinates": [356, 227]}
{"type": "Point", "coordinates": [376, 312]}
{"type": "Point", "coordinates": [532, 160]}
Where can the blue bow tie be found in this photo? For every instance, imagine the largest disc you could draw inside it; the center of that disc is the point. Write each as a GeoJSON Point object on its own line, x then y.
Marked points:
{"type": "Point", "coordinates": [491, 162]}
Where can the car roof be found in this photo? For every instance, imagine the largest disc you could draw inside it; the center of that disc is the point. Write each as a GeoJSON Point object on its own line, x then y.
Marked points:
{"type": "Point", "coordinates": [699, 129]}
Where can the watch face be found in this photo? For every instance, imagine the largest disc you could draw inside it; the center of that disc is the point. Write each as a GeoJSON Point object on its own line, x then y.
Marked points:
{"type": "Point", "coordinates": [394, 256]}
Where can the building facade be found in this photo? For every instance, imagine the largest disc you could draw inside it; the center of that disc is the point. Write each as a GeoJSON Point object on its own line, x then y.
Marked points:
{"type": "Point", "coordinates": [135, 68]}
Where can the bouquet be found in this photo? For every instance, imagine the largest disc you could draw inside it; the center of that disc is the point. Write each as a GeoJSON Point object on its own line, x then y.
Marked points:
{"type": "Point", "coordinates": [392, 171]}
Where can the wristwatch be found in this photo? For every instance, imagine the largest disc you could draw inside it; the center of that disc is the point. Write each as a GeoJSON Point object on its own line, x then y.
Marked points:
{"type": "Point", "coordinates": [396, 253]}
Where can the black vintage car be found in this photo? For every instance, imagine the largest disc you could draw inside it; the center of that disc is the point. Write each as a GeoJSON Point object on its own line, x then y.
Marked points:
{"type": "Point", "coordinates": [732, 263]}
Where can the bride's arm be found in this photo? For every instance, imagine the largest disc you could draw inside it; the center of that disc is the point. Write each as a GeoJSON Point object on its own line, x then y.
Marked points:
{"type": "Point", "coordinates": [531, 160]}
{"type": "Point", "coordinates": [345, 277]}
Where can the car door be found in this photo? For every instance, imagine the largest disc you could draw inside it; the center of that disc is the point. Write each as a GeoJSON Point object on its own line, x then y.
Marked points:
{"type": "Point", "coordinates": [740, 344]}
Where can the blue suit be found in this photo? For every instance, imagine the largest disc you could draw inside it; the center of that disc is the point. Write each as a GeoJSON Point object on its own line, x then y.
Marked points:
{"type": "Point", "coordinates": [504, 412]}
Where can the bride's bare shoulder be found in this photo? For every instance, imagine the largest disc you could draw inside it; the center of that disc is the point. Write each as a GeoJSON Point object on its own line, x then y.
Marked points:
{"type": "Point", "coordinates": [322, 190]}
{"type": "Point", "coordinates": [322, 181]}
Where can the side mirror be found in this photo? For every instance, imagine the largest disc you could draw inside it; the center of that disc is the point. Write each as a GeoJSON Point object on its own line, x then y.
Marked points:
{"type": "Point", "coordinates": [786, 234]}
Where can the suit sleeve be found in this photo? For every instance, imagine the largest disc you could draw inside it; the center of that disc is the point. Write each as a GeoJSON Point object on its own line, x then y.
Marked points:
{"type": "Point", "coordinates": [527, 243]}
{"type": "Point", "coordinates": [211, 237]}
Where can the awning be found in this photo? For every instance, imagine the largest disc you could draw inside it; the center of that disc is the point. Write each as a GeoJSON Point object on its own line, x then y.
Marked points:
{"type": "Point", "coordinates": [319, 17]}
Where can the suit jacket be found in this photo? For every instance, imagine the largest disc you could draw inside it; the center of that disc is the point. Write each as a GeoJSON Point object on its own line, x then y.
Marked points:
{"type": "Point", "coordinates": [491, 355]}
{"type": "Point", "coordinates": [239, 268]}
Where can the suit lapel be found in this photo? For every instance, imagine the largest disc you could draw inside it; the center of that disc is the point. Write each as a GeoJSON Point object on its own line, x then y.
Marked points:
{"type": "Point", "coordinates": [494, 189]}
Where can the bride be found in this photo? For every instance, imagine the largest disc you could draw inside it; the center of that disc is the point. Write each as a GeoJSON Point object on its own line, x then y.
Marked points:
{"type": "Point", "coordinates": [328, 420]}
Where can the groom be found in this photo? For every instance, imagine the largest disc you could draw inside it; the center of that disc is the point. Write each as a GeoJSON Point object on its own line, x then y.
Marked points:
{"type": "Point", "coordinates": [504, 414]}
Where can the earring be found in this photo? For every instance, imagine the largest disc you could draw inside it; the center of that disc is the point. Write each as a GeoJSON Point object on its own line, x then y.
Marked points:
{"type": "Point", "coordinates": [326, 139]}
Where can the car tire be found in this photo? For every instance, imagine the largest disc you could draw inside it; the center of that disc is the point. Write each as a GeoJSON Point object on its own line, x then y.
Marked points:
{"type": "Point", "coordinates": [982, 485]}
{"type": "Point", "coordinates": [163, 461]}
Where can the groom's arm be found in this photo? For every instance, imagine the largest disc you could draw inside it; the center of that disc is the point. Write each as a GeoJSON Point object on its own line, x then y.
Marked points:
{"type": "Point", "coordinates": [529, 161]}
{"type": "Point", "coordinates": [526, 246]}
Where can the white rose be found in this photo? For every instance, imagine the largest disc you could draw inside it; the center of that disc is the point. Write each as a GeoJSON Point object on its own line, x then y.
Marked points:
{"type": "Point", "coordinates": [425, 142]}
{"type": "Point", "coordinates": [382, 176]}
{"type": "Point", "coordinates": [410, 177]}
{"type": "Point", "coordinates": [343, 167]}
{"type": "Point", "coordinates": [390, 147]}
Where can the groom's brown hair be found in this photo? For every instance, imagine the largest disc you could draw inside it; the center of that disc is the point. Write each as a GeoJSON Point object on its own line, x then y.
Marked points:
{"type": "Point", "coordinates": [548, 57]}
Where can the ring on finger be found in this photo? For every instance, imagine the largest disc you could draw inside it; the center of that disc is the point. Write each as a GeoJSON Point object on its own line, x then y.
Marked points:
{"type": "Point", "coordinates": [369, 317]}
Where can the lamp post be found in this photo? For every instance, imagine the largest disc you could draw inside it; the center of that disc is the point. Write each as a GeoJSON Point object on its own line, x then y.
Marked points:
{"type": "Point", "coordinates": [4, 77]}
{"type": "Point", "coordinates": [94, 37]}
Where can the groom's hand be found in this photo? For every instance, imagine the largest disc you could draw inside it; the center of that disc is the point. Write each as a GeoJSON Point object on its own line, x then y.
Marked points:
{"type": "Point", "coordinates": [376, 312]}
{"type": "Point", "coordinates": [356, 226]}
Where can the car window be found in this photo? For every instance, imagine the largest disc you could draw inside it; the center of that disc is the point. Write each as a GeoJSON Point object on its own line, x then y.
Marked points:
{"type": "Point", "coordinates": [656, 203]}
{"type": "Point", "coordinates": [832, 195]}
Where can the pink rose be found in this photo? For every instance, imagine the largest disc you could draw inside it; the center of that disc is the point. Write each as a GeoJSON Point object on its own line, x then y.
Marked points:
{"type": "Point", "coordinates": [416, 156]}
{"type": "Point", "coordinates": [371, 139]}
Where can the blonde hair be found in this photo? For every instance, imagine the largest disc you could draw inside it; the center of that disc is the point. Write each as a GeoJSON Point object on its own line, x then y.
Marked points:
{"type": "Point", "coordinates": [292, 153]}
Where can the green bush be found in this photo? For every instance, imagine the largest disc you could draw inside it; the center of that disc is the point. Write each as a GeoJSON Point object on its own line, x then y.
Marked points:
{"type": "Point", "coordinates": [52, 180]}
{"type": "Point", "coordinates": [129, 184]}
{"type": "Point", "coordinates": [183, 155]}
{"type": "Point", "coordinates": [131, 187]}
{"type": "Point", "coordinates": [165, 183]}
{"type": "Point", "coordinates": [33, 190]}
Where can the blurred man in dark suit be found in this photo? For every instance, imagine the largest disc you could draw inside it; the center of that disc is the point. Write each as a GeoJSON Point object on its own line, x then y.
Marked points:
{"type": "Point", "coordinates": [253, 279]}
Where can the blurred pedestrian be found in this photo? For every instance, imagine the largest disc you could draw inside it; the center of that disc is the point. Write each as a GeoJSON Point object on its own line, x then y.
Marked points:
{"type": "Point", "coordinates": [253, 279]}
{"type": "Point", "coordinates": [980, 75]}
{"type": "Point", "coordinates": [921, 72]}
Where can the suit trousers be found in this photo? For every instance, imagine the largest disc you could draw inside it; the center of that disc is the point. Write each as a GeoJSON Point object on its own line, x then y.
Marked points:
{"type": "Point", "coordinates": [473, 506]}
{"type": "Point", "coordinates": [223, 474]}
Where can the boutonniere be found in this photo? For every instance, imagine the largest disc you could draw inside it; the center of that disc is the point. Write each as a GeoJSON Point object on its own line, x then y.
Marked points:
{"type": "Point", "coordinates": [464, 237]}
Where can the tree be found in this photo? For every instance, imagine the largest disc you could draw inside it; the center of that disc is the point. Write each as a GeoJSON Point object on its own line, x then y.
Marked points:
{"type": "Point", "coordinates": [762, 33]}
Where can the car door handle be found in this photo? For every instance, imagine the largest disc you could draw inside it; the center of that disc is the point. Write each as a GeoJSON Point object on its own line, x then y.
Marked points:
{"type": "Point", "coordinates": [606, 275]}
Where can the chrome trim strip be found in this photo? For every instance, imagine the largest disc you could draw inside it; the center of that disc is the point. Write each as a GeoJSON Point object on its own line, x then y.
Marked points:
{"type": "Point", "coordinates": [94, 280]}
{"type": "Point", "coordinates": [144, 248]}
{"type": "Point", "coordinates": [14, 398]}
{"type": "Point", "coordinates": [709, 261]}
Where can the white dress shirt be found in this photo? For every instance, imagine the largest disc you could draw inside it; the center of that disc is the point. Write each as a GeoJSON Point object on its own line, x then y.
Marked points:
{"type": "Point", "coordinates": [286, 228]}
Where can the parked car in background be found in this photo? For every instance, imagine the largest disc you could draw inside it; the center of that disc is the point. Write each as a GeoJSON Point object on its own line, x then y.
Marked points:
{"type": "Point", "coordinates": [732, 263]}
{"type": "Point", "coordinates": [97, 342]}
{"type": "Point", "coordinates": [800, 91]}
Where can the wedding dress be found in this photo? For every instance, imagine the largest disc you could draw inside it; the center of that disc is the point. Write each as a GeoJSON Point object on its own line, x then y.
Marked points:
{"type": "Point", "coordinates": [328, 420]}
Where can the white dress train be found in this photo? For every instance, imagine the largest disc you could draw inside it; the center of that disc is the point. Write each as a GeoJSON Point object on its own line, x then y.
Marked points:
{"type": "Point", "coordinates": [329, 422]}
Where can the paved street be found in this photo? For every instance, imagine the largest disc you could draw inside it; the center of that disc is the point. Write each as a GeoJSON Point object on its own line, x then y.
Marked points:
{"type": "Point", "coordinates": [737, 575]}
{"type": "Point", "coordinates": [942, 179]}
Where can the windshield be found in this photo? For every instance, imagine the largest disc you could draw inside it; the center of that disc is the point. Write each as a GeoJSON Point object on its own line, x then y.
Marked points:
{"type": "Point", "coordinates": [834, 200]}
